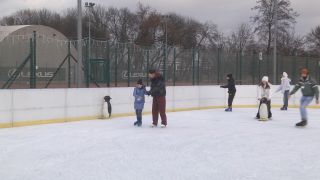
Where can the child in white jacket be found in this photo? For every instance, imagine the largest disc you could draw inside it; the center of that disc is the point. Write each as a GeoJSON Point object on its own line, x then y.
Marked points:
{"type": "Point", "coordinates": [285, 88]}
{"type": "Point", "coordinates": [264, 92]}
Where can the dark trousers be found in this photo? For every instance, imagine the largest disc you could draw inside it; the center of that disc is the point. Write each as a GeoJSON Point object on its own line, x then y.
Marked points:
{"type": "Point", "coordinates": [285, 99]}
{"type": "Point", "coordinates": [269, 109]}
{"type": "Point", "coordinates": [230, 99]}
{"type": "Point", "coordinates": [139, 116]}
{"type": "Point", "coordinates": [159, 106]}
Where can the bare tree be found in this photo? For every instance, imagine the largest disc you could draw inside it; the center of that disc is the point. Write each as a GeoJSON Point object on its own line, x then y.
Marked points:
{"type": "Point", "coordinates": [240, 38]}
{"type": "Point", "coordinates": [265, 19]}
{"type": "Point", "coordinates": [313, 39]}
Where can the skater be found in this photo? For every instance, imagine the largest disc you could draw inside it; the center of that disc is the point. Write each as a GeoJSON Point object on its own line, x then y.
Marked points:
{"type": "Point", "coordinates": [284, 88]}
{"type": "Point", "coordinates": [107, 108]}
{"type": "Point", "coordinates": [139, 92]}
{"type": "Point", "coordinates": [265, 93]}
{"type": "Point", "coordinates": [158, 92]}
{"type": "Point", "coordinates": [309, 91]}
{"type": "Point", "coordinates": [231, 91]}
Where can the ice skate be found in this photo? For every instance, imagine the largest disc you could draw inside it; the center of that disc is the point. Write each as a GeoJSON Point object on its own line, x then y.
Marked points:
{"type": "Point", "coordinates": [228, 110]}
{"type": "Point", "coordinates": [303, 123]}
{"type": "Point", "coordinates": [153, 126]}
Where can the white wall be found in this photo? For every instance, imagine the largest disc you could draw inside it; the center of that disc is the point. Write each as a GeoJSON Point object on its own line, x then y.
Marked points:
{"type": "Point", "coordinates": [47, 104]}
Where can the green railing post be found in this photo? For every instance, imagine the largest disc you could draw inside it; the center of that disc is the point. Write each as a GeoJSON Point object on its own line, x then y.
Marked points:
{"type": "Point", "coordinates": [87, 64]}
{"type": "Point", "coordinates": [293, 70]}
{"type": "Point", "coordinates": [69, 64]}
{"type": "Point", "coordinates": [33, 62]}
{"type": "Point", "coordinates": [193, 67]}
{"type": "Point", "coordinates": [148, 59]}
{"type": "Point", "coordinates": [165, 62]}
{"type": "Point", "coordinates": [174, 66]}
{"type": "Point", "coordinates": [218, 67]}
{"type": "Point", "coordinates": [108, 64]}
{"type": "Point", "coordinates": [116, 66]}
{"type": "Point", "coordinates": [240, 67]}
{"type": "Point", "coordinates": [253, 67]}
{"type": "Point", "coordinates": [129, 61]}
{"type": "Point", "coordinates": [198, 69]}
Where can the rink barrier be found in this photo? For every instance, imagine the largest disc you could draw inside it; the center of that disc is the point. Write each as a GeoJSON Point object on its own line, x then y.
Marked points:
{"type": "Point", "coordinates": [56, 121]}
{"type": "Point", "coordinates": [46, 106]}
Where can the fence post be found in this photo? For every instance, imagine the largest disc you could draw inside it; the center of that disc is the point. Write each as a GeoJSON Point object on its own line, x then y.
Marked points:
{"type": "Point", "coordinates": [108, 64]}
{"type": "Point", "coordinates": [174, 66]}
{"type": "Point", "coordinates": [116, 66]}
{"type": "Point", "coordinates": [293, 69]}
{"type": "Point", "coordinates": [165, 62]}
{"type": "Point", "coordinates": [193, 67]}
{"type": "Point", "coordinates": [129, 61]}
{"type": "Point", "coordinates": [69, 66]}
{"type": "Point", "coordinates": [240, 67]}
{"type": "Point", "coordinates": [87, 62]}
{"type": "Point", "coordinates": [148, 56]}
{"type": "Point", "coordinates": [33, 62]}
{"type": "Point", "coordinates": [198, 78]}
{"type": "Point", "coordinates": [218, 66]}
{"type": "Point", "coordinates": [253, 67]}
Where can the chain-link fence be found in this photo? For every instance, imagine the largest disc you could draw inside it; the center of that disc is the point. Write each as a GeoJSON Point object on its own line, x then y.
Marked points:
{"type": "Point", "coordinates": [37, 61]}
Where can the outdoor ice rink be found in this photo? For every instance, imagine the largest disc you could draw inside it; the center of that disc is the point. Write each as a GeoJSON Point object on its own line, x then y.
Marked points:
{"type": "Point", "coordinates": [196, 145]}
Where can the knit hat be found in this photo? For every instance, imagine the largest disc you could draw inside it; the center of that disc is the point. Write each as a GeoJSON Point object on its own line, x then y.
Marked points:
{"type": "Point", "coordinates": [284, 74]}
{"type": "Point", "coordinates": [304, 71]}
{"type": "Point", "coordinates": [265, 78]}
{"type": "Point", "coordinates": [139, 81]}
{"type": "Point", "coordinates": [107, 98]}
{"type": "Point", "coordinates": [229, 76]}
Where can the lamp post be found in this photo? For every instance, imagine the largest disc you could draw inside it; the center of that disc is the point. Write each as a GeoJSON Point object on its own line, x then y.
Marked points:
{"type": "Point", "coordinates": [275, 41]}
{"type": "Point", "coordinates": [89, 5]}
{"type": "Point", "coordinates": [166, 47]}
{"type": "Point", "coordinates": [79, 34]}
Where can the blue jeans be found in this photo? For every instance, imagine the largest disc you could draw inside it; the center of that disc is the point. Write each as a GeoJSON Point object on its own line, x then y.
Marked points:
{"type": "Point", "coordinates": [304, 102]}
{"type": "Point", "coordinates": [285, 99]}
{"type": "Point", "coordinates": [139, 116]}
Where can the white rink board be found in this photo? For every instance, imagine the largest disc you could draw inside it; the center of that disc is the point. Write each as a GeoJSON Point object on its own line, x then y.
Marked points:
{"type": "Point", "coordinates": [47, 104]}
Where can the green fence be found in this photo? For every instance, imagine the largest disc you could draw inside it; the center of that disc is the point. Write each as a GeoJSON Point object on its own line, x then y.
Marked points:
{"type": "Point", "coordinates": [36, 61]}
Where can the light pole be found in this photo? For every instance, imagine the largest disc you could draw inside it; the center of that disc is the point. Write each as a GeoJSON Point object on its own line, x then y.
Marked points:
{"type": "Point", "coordinates": [79, 34]}
{"type": "Point", "coordinates": [89, 5]}
{"type": "Point", "coordinates": [275, 41]}
{"type": "Point", "coordinates": [166, 46]}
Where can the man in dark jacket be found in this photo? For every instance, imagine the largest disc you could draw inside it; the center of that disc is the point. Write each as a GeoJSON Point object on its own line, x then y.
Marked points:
{"type": "Point", "coordinates": [158, 92]}
{"type": "Point", "coordinates": [231, 91]}
{"type": "Point", "coordinates": [309, 91]}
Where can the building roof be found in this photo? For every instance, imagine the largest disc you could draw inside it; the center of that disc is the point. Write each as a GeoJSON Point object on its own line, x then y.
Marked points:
{"type": "Point", "coordinates": [5, 31]}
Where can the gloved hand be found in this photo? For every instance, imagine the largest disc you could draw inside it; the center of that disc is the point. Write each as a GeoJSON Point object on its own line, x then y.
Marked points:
{"type": "Point", "coordinates": [148, 93]}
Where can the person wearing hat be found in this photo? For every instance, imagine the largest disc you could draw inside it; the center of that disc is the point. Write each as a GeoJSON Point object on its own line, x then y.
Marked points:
{"type": "Point", "coordinates": [107, 108]}
{"type": "Point", "coordinates": [139, 93]}
{"type": "Point", "coordinates": [231, 91]}
{"type": "Point", "coordinates": [309, 90]}
{"type": "Point", "coordinates": [158, 92]}
{"type": "Point", "coordinates": [285, 88]}
{"type": "Point", "coordinates": [265, 94]}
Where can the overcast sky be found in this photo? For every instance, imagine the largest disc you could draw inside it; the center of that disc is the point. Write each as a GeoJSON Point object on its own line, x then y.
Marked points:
{"type": "Point", "coordinates": [226, 13]}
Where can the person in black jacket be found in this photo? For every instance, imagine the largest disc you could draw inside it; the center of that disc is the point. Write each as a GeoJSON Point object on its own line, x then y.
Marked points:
{"type": "Point", "coordinates": [231, 91]}
{"type": "Point", "coordinates": [158, 92]}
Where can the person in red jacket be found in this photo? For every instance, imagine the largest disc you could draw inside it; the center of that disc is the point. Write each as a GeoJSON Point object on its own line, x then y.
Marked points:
{"type": "Point", "coordinates": [158, 92]}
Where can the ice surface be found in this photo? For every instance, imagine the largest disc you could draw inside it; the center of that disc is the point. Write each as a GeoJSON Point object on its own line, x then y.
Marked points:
{"type": "Point", "coordinates": [206, 145]}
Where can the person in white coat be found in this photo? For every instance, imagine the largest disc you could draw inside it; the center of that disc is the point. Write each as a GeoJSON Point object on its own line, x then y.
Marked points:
{"type": "Point", "coordinates": [285, 89]}
{"type": "Point", "coordinates": [264, 92]}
